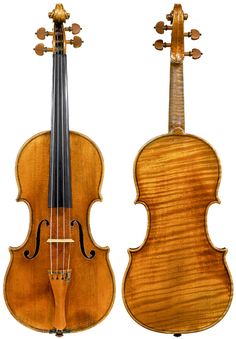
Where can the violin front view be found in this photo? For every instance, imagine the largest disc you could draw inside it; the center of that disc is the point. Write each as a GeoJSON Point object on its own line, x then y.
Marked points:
{"type": "Point", "coordinates": [177, 281]}
{"type": "Point", "coordinates": [59, 280]}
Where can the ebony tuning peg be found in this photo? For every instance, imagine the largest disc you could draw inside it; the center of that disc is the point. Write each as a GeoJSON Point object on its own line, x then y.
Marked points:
{"type": "Point", "coordinates": [161, 27]}
{"type": "Point", "coordinates": [76, 42]}
{"type": "Point", "coordinates": [194, 53]}
{"type": "Point", "coordinates": [74, 28]}
{"type": "Point", "coordinates": [194, 34]}
{"type": "Point", "coordinates": [42, 33]}
{"type": "Point", "coordinates": [40, 49]}
{"type": "Point", "coordinates": [159, 45]}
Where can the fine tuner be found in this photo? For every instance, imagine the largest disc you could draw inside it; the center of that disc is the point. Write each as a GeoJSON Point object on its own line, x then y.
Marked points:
{"type": "Point", "coordinates": [41, 34]}
{"type": "Point", "coordinates": [194, 34]}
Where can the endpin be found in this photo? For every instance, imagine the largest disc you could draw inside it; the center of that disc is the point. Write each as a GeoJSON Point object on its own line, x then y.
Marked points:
{"type": "Point", "coordinates": [59, 333]}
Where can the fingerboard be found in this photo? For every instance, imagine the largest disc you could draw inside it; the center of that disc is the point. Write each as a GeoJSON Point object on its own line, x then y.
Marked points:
{"type": "Point", "coordinates": [60, 170]}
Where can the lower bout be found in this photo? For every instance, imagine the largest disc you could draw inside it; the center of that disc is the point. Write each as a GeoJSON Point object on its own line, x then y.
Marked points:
{"type": "Point", "coordinates": [178, 308]}
{"type": "Point", "coordinates": [88, 299]}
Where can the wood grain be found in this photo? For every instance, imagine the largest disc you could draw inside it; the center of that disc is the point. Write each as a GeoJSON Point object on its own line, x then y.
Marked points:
{"type": "Point", "coordinates": [177, 35]}
{"type": "Point", "coordinates": [177, 281]}
{"type": "Point", "coordinates": [28, 292]}
{"type": "Point", "coordinates": [176, 98]}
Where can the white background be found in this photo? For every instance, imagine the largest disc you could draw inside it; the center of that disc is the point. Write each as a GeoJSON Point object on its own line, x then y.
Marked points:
{"type": "Point", "coordinates": [118, 90]}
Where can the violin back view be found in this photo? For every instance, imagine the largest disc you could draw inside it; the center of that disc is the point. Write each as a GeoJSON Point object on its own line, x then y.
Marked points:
{"type": "Point", "coordinates": [177, 281]}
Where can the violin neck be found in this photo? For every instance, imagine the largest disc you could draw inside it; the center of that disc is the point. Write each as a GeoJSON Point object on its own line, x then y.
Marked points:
{"type": "Point", "coordinates": [60, 176]}
{"type": "Point", "coordinates": [176, 98]}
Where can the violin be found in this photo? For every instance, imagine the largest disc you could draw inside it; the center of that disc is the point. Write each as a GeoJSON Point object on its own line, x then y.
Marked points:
{"type": "Point", "coordinates": [177, 282]}
{"type": "Point", "coordinates": [59, 280]}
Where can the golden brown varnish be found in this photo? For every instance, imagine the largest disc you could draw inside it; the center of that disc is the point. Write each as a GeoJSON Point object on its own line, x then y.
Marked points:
{"type": "Point", "coordinates": [27, 287]}
{"type": "Point", "coordinates": [177, 282]}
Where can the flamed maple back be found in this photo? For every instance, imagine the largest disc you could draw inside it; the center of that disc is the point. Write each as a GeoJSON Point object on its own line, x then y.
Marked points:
{"type": "Point", "coordinates": [177, 281]}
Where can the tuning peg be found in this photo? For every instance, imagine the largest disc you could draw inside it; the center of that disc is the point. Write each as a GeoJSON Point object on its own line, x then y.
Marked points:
{"type": "Point", "coordinates": [40, 49]}
{"type": "Point", "coordinates": [194, 34]}
{"type": "Point", "coordinates": [185, 16]}
{"type": "Point", "coordinates": [161, 27]}
{"type": "Point", "coordinates": [169, 17]}
{"type": "Point", "coordinates": [76, 42]}
{"type": "Point", "coordinates": [194, 53]}
{"type": "Point", "coordinates": [74, 28]}
{"type": "Point", "coordinates": [159, 45]}
{"type": "Point", "coordinates": [42, 33]}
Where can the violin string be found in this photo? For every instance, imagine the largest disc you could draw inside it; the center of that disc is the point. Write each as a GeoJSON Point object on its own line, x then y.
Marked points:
{"type": "Point", "coordinates": [58, 105]}
{"type": "Point", "coordinates": [63, 158]}
{"type": "Point", "coordinates": [67, 155]}
{"type": "Point", "coordinates": [52, 162]}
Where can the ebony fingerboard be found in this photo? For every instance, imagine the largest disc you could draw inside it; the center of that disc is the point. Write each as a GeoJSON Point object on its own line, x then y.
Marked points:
{"type": "Point", "coordinates": [60, 176]}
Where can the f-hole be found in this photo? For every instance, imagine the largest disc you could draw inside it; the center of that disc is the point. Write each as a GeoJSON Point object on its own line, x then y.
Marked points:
{"type": "Point", "coordinates": [81, 238]}
{"type": "Point", "coordinates": [26, 253]}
